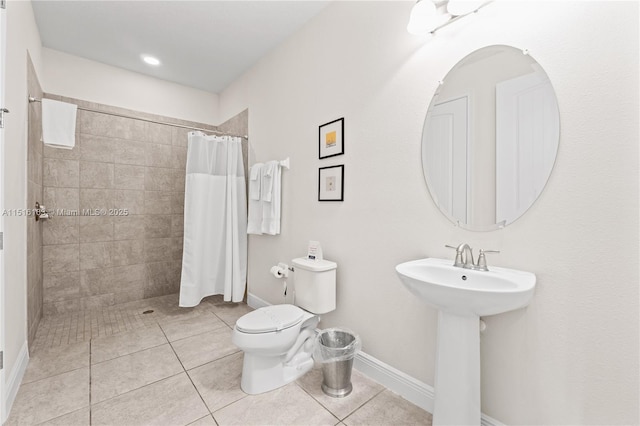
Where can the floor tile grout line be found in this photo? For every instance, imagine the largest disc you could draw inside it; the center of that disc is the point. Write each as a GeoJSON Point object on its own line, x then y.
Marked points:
{"type": "Point", "coordinates": [317, 401]}
{"type": "Point", "coordinates": [352, 411]}
{"type": "Point", "coordinates": [246, 395]}
{"type": "Point", "coordinates": [365, 403]}
{"type": "Point", "coordinates": [54, 375]}
{"type": "Point", "coordinates": [220, 318]}
{"type": "Point", "coordinates": [187, 373]}
{"type": "Point", "coordinates": [61, 415]}
{"type": "Point", "coordinates": [214, 360]}
{"type": "Point", "coordinates": [197, 334]}
{"type": "Point", "coordinates": [198, 392]}
{"type": "Point", "coordinates": [203, 417]}
{"type": "Point", "coordinates": [137, 389]}
{"type": "Point", "coordinates": [130, 353]}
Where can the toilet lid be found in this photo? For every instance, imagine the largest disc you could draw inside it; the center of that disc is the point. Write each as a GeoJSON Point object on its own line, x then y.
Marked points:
{"type": "Point", "coordinates": [270, 318]}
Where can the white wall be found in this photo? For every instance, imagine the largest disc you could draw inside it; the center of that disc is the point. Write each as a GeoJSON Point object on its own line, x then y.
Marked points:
{"type": "Point", "coordinates": [80, 78]}
{"type": "Point", "coordinates": [572, 356]}
{"type": "Point", "coordinates": [22, 36]}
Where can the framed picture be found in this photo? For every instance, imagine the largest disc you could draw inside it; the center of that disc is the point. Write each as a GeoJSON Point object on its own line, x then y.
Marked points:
{"type": "Point", "coordinates": [331, 139]}
{"type": "Point", "coordinates": [331, 183]}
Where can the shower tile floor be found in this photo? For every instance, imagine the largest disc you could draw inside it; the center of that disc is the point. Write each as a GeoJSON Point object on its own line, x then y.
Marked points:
{"type": "Point", "coordinates": [175, 366]}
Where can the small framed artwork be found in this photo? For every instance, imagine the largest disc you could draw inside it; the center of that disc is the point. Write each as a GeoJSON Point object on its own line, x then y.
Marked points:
{"type": "Point", "coordinates": [331, 183]}
{"type": "Point", "coordinates": [331, 139]}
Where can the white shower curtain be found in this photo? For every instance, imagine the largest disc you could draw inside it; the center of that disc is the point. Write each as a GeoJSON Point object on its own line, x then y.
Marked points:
{"type": "Point", "coordinates": [214, 259]}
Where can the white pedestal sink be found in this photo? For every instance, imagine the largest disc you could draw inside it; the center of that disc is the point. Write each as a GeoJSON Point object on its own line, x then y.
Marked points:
{"type": "Point", "coordinates": [462, 297]}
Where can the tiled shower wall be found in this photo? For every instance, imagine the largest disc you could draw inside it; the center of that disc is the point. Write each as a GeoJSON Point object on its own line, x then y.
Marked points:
{"type": "Point", "coordinates": [34, 193]}
{"type": "Point", "coordinates": [114, 256]}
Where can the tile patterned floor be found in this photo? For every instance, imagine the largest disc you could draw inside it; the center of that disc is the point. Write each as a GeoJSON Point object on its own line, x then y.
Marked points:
{"type": "Point", "coordinates": [176, 366]}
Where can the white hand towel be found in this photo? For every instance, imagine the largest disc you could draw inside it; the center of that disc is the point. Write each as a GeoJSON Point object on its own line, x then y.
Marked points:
{"type": "Point", "coordinates": [271, 209]}
{"type": "Point", "coordinates": [268, 172]}
{"type": "Point", "coordinates": [59, 124]}
{"type": "Point", "coordinates": [254, 181]}
{"type": "Point", "coordinates": [254, 217]}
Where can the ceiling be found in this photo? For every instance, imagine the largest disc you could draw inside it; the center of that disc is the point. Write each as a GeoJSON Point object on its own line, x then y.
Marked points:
{"type": "Point", "coordinates": [201, 44]}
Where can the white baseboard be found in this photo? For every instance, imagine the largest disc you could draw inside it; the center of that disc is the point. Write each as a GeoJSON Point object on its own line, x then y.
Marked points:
{"type": "Point", "coordinates": [488, 421]}
{"type": "Point", "coordinates": [14, 379]}
{"type": "Point", "coordinates": [255, 302]}
{"type": "Point", "coordinates": [410, 388]}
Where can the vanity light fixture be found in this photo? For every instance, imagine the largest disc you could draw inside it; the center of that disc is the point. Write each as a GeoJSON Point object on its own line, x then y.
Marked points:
{"type": "Point", "coordinates": [151, 60]}
{"type": "Point", "coordinates": [428, 16]}
{"type": "Point", "coordinates": [421, 14]}
{"type": "Point", "coordinates": [463, 7]}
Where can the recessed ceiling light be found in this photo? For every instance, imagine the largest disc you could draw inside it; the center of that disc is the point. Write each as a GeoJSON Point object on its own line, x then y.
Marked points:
{"type": "Point", "coordinates": [151, 60]}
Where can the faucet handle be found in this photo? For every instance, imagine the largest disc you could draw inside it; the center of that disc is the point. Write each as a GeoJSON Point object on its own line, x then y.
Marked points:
{"type": "Point", "coordinates": [482, 259]}
{"type": "Point", "coordinates": [458, 261]}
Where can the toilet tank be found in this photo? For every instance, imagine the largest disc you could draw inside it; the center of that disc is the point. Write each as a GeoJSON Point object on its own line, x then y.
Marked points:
{"type": "Point", "coordinates": [315, 285]}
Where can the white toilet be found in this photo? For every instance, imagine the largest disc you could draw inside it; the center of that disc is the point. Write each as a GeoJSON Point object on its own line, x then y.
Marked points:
{"type": "Point", "coordinates": [278, 340]}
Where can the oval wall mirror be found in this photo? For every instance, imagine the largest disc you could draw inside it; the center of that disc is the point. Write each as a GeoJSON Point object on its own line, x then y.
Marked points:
{"type": "Point", "coordinates": [490, 138]}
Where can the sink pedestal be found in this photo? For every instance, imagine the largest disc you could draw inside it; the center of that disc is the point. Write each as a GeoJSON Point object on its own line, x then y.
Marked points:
{"type": "Point", "coordinates": [462, 296]}
{"type": "Point", "coordinates": [457, 378]}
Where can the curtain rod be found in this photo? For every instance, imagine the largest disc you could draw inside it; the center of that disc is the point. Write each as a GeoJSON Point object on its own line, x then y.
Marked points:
{"type": "Point", "coordinates": [32, 99]}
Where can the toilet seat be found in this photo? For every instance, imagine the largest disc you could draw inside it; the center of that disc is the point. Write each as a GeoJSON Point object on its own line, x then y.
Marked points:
{"type": "Point", "coordinates": [270, 319]}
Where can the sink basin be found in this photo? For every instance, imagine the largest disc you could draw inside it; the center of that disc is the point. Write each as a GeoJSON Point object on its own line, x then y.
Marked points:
{"type": "Point", "coordinates": [462, 296]}
{"type": "Point", "coordinates": [466, 291]}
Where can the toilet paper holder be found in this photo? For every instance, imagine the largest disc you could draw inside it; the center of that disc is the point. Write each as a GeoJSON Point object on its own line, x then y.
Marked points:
{"type": "Point", "coordinates": [281, 270]}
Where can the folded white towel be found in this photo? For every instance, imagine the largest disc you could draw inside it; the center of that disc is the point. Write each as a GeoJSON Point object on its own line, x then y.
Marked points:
{"type": "Point", "coordinates": [268, 172]}
{"type": "Point", "coordinates": [255, 179]}
{"type": "Point", "coordinates": [256, 170]}
{"type": "Point", "coordinates": [254, 217]}
{"type": "Point", "coordinates": [59, 124]}
{"type": "Point", "coordinates": [271, 208]}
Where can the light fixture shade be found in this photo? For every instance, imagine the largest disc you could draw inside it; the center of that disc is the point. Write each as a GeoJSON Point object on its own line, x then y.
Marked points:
{"type": "Point", "coordinates": [421, 14]}
{"type": "Point", "coordinates": [462, 7]}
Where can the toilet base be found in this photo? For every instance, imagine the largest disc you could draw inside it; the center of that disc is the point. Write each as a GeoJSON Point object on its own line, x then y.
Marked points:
{"type": "Point", "coordinates": [265, 373]}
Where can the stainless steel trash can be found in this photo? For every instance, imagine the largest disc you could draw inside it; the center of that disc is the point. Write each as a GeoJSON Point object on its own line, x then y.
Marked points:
{"type": "Point", "coordinates": [336, 349]}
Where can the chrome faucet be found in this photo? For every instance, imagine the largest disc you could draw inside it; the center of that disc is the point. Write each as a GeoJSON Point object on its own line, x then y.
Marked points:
{"type": "Point", "coordinates": [464, 257]}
